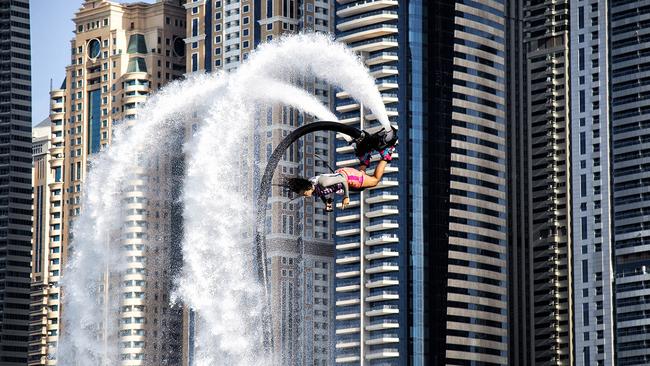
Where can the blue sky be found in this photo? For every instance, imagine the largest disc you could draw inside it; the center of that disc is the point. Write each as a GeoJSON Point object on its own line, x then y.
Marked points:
{"type": "Point", "coordinates": [51, 31]}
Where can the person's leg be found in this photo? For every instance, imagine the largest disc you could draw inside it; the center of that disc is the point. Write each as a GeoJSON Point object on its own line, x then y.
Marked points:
{"type": "Point", "coordinates": [373, 180]}
{"type": "Point", "coordinates": [364, 161]}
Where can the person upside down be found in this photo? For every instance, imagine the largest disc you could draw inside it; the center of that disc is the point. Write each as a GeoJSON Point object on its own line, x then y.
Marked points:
{"type": "Point", "coordinates": [324, 186]}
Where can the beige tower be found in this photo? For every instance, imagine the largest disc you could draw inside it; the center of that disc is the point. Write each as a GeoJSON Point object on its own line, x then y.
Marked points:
{"type": "Point", "coordinates": [43, 259]}
{"type": "Point", "coordinates": [220, 36]}
{"type": "Point", "coordinates": [119, 55]}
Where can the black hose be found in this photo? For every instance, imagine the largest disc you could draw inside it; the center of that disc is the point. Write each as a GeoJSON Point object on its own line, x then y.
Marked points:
{"type": "Point", "coordinates": [263, 196]}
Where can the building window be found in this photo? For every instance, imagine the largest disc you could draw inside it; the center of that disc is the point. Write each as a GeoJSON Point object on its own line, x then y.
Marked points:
{"type": "Point", "coordinates": [195, 27]}
{"type": "Point", "coordinates": [195, 62]}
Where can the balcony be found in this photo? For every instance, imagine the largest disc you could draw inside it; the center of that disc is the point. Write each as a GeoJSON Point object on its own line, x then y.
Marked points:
{"type": "Point", "coordinates": [382, 310]}
{"type": "Point", "coordinates": [362, 20]}
{"type": "Point", "coordinates": [348, 315]}
{"type": "Point", "coordinates": [347, 344]}
{"type": "Point", "coordinates": [348, 273]}
{"type": "Point", "coordinates": [349, 330]}
{"type": "Point", "coordinates": [347, 258]}
{"type": "Point", "coordinates": [380, 58]}
{"type": "Point", "coordinates": [371, 31]}
{"type": "Point", "coordinates": [348, 359]}
{"type": "Point", "coordinates": [382, 225]}
{"type": "Point", "coordinates": [382, 282]}
{"type": "Point", "coordinates": [347, 246]}
{"type": "Point", "coordinates": [381, 253]}
{"type": "Point", "coordinates": [347, 107]}
{"type": "Point", "coordinates": [382, 239]}
{"type": "Point", "coordinates": [382, 197]}
{"type": "Point", "coordinates": [348, 218]}
{"type": "Point", "coordinates": [348, 149]}
{"type": "Point", "coordinates": [384, 353]}
{"type": "Point", "coordinates": [374, 44]}
{"type": "Point", "coordinates": [383, 71]}
{"type": "Point", "coordinates": [349, 118]}
{"type": "Point", "coordinates": [383, 210]}
{"type": "Point", "coordinates": [382, 267]}
{"type": "Point", "coordinates": [347, 301]}
{"type": "Point", "coordinates": [386, 84]}
{"type": "Point", "coordinates": [382, 296]}
{"type": "Point", "coordinates": [382, 325]}
{"type": "Point", "coordinates": [382, 338]}
{"type": "Point", "coordinates": [358, 7]}
{"type": "Point", "coordinates": [348, 230]}
{"type": "Point", "coordinates": [346, 163]}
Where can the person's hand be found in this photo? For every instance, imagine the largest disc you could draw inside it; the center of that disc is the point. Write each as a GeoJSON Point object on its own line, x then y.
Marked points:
{"type": "Point", "coordinates": [345, 203]}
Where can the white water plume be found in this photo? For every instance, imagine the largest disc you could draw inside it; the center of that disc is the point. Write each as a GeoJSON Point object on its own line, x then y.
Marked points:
{"type": "Point", "coordinates": [318, 55]}
{"type": "Point", "coordinates": [218, 279]}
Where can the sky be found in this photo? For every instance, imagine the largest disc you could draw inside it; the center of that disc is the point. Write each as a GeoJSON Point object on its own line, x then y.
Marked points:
{"type": "Point", "coordinates": [51, 32]}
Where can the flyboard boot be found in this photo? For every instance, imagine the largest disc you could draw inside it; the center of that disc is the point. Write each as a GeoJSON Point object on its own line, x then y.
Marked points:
{"type": "Point", "coordinates": [382, 141]}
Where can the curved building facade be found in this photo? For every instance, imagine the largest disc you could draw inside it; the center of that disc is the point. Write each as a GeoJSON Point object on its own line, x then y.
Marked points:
{"type": "Point", "coordinates": [421, 259]}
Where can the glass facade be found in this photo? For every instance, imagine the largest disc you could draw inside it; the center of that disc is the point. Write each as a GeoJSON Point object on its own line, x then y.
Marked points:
{"type": "Point", "coordinates": [94, 121]}
{"type": "Point", "coordinates": [631, 177]}
{"type": "Point", "coordinates": [137, 44]}
{"type": "Point", "coordinates": [137, 64]}
{"type": "Point", "coordinates": [427, 287]}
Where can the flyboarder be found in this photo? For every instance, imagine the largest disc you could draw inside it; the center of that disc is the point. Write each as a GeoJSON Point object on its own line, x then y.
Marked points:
{"type": "Point", "coordinates": [343, 180]}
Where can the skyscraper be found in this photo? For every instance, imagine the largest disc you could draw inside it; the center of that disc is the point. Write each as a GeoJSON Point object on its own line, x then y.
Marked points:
{"type": "Point", "coordinates": [424, 280]}
{"type": "Point", "coordinates": [15, 191]}
{"type": "Point", "coordinates": [548, 191]}
{"type": "Point", "coordinates": [560, 176]}
{"type": "Point", "coordinates": [120, 54]}
{"type": "Point", "coordinates": [220, 36]}
{"type": "Point", "coordinates": [630, 177]}
{"type": "Point", "coordinates": [41, 259]}
{"type": "Point", "coordinates": [591, 208]}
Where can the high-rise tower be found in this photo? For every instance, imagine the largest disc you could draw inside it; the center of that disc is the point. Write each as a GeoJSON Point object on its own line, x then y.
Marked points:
{"type": "Point", "coordinates": [421, 259]}
{"type": "Point", "coordinates": [591, 208]}
{"type": "Point", "coordinates": [41, 256]}
{"type": "Point", "coordinates": [120, 53]}
{"type": "Point", "coordinates": [15, 189]}
{"type": "Point", "coordinates": [548, 195]}
{"type": "Point", "coordinates": [630, 136]}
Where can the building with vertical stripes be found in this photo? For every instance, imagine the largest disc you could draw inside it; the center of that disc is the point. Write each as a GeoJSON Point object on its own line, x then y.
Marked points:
{"type": "Point", "coordinates": [591, 181]}
{"type": "Point", "coordinates": [548, 186]}
{"type": "Point", "coordinates": [15, 181]}
{"type": "Point", "coordinates": [630, 177]}
{"type": "Point", "coordinates": [41, 256]}
{"type": "Point", "coordinates": [421, 274]}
